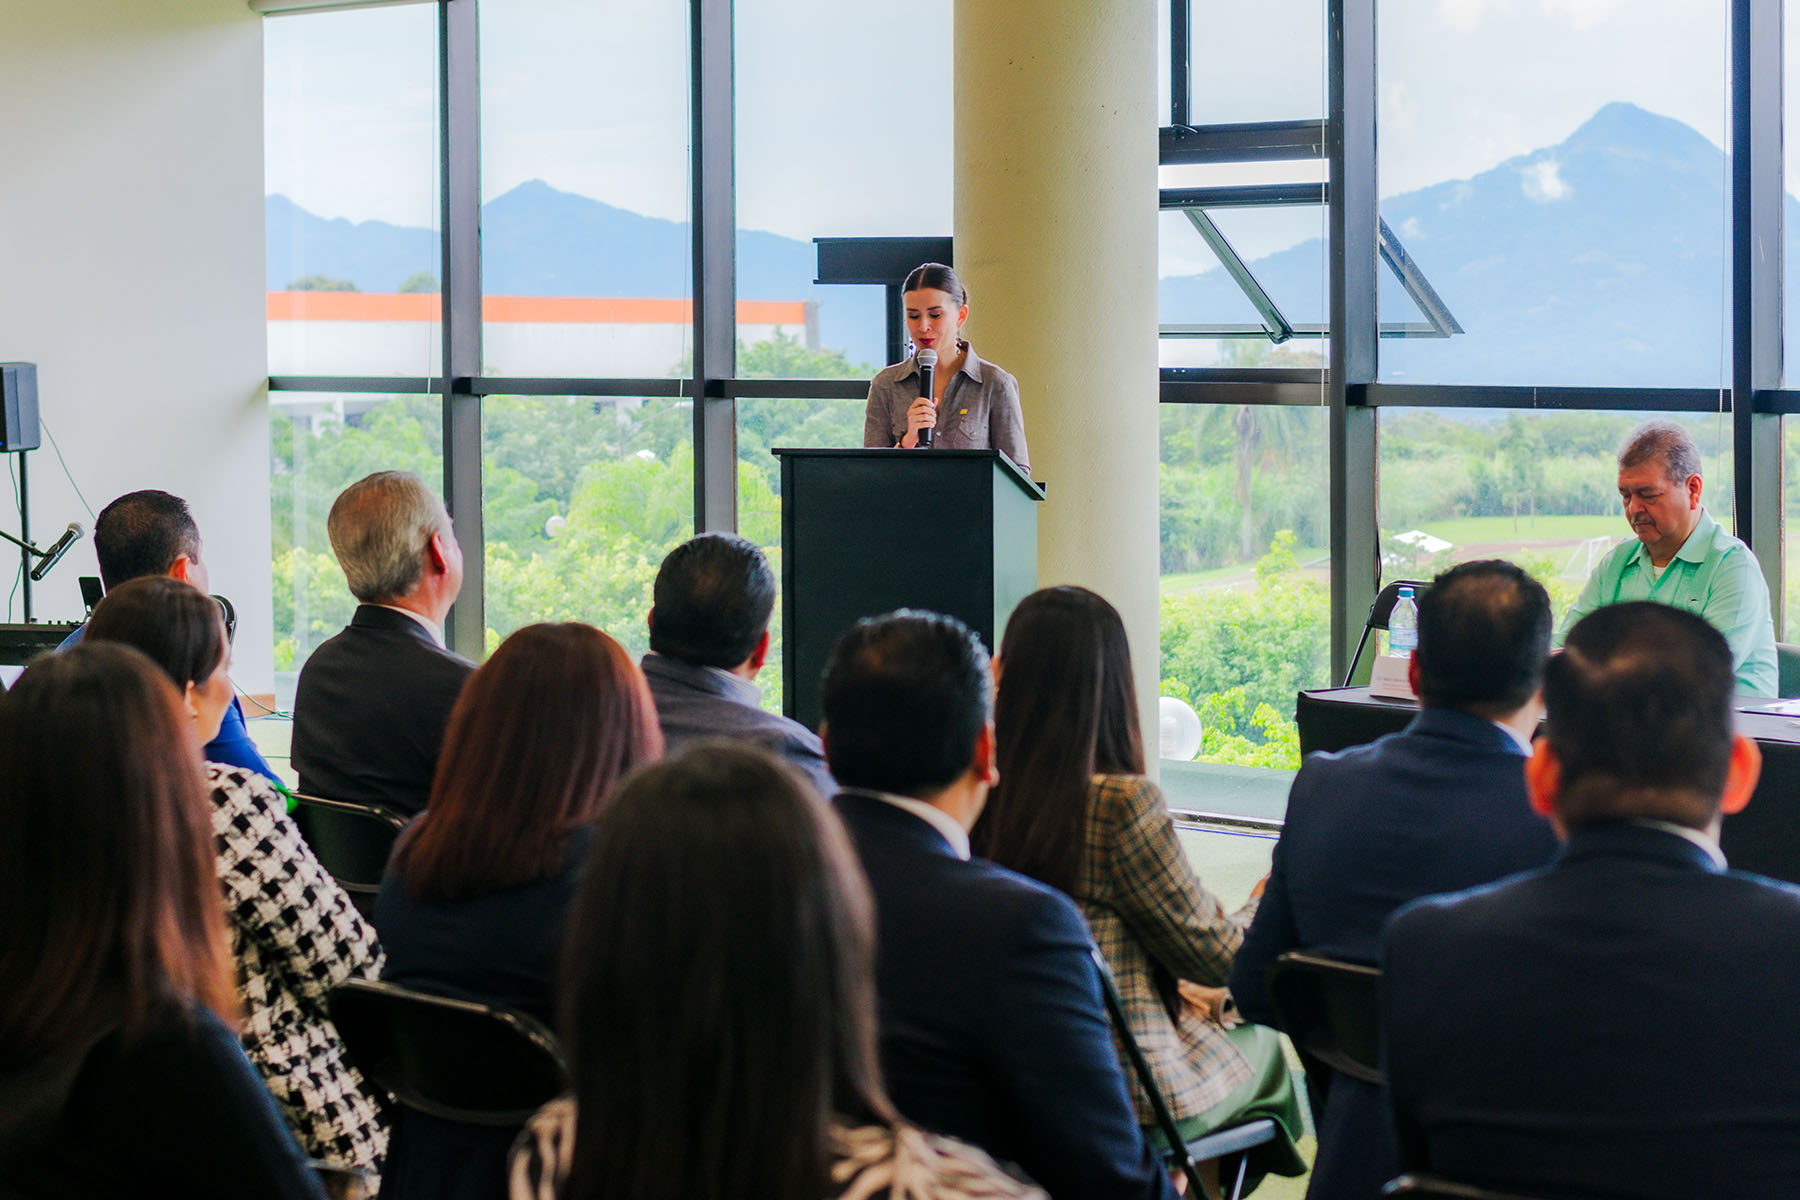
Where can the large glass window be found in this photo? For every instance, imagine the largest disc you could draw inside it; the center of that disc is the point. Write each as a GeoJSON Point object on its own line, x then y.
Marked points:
{"type": "Point", "coordinates": [1231, 277]}
{"type": "Point", "coordinates": [320, 444]}
{"type": "Point", "coordinates": [1257, 62]}
{"type": "Point", "coordinates": [1576, 225]}
{"type": "Point", "coordinates": [585, 242]}
{"type": "Point", "coordinates": [1246, 578]}
{"type": "Point", "coordinates": [871, 161]}
{"type": "Point", "coordinates": [582, 497]}
{"type": "Point", "coordinates": [351, 210]}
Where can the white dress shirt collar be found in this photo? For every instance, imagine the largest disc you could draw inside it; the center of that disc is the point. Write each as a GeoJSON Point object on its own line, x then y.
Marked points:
{"type": "Point", "coordinates": [1519, 739]}
{"type": "Point", "coordinates": [432, 627]}
{"type": "Point", "coordinates": [937, 818]}
{"type": "Point", "coordinates": [1691, 834]}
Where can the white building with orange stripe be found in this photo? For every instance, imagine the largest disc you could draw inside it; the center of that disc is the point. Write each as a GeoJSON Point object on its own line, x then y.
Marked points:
{"type": "Point", "coordinates": [369, 333]}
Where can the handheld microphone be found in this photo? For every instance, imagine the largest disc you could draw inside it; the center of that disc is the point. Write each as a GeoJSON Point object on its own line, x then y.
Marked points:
{"type": "Point", "coordinates": [927, 370]}
{"type": "Point", "coordinates": [57, 549]}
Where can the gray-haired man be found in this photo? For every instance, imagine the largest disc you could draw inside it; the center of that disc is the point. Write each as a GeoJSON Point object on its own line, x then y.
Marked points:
{"type": "Point", "coordinates": [372, 702]}
{"type": "Point", "coordinates": [1682, 557]}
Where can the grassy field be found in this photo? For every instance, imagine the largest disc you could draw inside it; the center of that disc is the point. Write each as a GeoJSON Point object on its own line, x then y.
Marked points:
{"type": "Point", "coordinates": [1526, 530]}
{"type": "Point", "coordinates": [1468, 537]}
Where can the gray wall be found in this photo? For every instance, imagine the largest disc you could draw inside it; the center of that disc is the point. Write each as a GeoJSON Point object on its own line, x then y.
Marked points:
{"type": "Point", "coordinates": [131, 272]}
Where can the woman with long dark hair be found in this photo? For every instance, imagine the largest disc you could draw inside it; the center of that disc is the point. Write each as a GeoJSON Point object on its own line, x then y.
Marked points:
{"type": "Point", "coordinates": [295, 935]}
{"type": "Point", "coordinates": [972, 404]}
{"type": "Point", "coordinates": [474, 899]}
{"type": "Point", "coordinates": [718, 1008]}
{"type": "Point", "coordinates": [120, 1072]}
{"type": "Point", "coordinates": [1074, 809]}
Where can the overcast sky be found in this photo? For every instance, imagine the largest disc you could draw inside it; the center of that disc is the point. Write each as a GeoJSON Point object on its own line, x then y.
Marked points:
{"type": "Point", "coordinates": [842, 102]}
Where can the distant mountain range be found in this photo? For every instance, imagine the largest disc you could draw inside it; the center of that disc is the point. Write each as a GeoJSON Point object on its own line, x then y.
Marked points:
{"type": "Point", "coordinates": [538, 241]}
{"type": "Point", "coordinates": [1600, 260]}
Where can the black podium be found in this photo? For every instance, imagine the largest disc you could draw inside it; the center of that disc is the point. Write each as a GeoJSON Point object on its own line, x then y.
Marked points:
{"type": "Point", "coordinates": [864, 532]}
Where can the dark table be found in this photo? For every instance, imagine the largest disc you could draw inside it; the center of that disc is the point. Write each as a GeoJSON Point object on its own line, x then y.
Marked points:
{"type": "Point", "coordinates": [1764, 838]}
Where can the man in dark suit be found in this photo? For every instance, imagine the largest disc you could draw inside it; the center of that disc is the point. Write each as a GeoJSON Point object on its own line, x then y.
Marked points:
{"type": "Point", "coordinates": [372, 702]}
{"type": "Point", "coordinates": [1620, 1023]}
{"type": "Point", "coordinates": [992, 1025]}
{"type": "Point", "coordinates": [709, 639]}
{"type": "Point", "coordinates": [1437, 807]}
{"type": "Point", "coordinates": [153, 533]}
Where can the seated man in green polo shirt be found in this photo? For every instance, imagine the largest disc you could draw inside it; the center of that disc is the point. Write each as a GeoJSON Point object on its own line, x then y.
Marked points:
{"type": "Point", "coordinates": [1682, 557]}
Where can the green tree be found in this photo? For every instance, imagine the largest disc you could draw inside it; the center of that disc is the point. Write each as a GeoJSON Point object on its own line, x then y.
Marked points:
{"type": "Point", "coordinates": [1240, 655]}
{"type": "Point", "coordinates": [321, 283]}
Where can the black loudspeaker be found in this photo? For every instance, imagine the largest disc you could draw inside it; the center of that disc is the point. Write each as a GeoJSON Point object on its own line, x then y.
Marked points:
{"type": "Point", "coordinates": [18, 407]}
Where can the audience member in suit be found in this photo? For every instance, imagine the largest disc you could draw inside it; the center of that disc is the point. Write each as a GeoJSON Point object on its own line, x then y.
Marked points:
{"type": "Point", "coordinates": [992, 1026]}
{"type": "Point", "coordinates": [153, 533]}
{"type": "Point", "coordinates": [1074, 810]}
{"type": "Point", "coordinates": [744, 1066]}
{"type": "Point", "coordinates": [372, 702]}
{"type": "Point", "coordinates": [120, 1072]}
{"type": "Point", "coordinates": [1621, 1022]}
{"type": "Point", "coordinates": [1437, 807]}
{"type": "Point", "coordinates": [473, 902]}
{"type": "Point", "coordinates": [709, 639]}
{"type": "Point", "coordinates": [294, 934]}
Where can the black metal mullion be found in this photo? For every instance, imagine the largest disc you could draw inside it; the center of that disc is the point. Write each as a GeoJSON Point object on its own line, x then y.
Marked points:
{"type": "Point", "coordinates": [1238, 391]}
{"type": "Point", "coordinates": [1548, 399]}
{"type": "Point", "coordinates": [1756, 281]}
{"type": "Point", "coordinates": [1245, 195]}
{"type": "Point", "coordinates": [1181, 62]}
{"type": "Point", "coordinates": [715, 267]}
{"type": "Point", "coordinates": [1248, 141]}
{"type": "Point", "coordinates": [794, 389]}
{"type": "Point", "coordinates": [1355, 319]}
{"type": "Point", "coordinates": [547, 386]}
{"type": "Point", "coordinates": [459, 155]}
{"type": "Point", "coordinates": [399, 385]}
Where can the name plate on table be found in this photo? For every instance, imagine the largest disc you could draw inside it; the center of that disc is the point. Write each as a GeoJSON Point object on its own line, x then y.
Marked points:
{"type": "Point", "coordinates": [1389, 679]}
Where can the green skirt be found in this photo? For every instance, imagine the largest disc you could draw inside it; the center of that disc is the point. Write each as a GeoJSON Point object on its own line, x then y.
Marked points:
{"type": "Point", "coordinates": [1269, 1092]}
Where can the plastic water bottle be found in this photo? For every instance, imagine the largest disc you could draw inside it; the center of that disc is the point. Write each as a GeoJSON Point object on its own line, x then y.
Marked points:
{"type": "Point", "coordinates": [1403, 625]}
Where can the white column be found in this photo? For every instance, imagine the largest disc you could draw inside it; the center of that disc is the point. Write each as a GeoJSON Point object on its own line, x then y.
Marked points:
{"type": "Point", "coordinates": [1055, 227]}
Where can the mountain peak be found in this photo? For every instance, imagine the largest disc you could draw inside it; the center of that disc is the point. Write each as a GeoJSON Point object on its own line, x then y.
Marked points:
{"type": "Point", "coordinates": [1622, 126]}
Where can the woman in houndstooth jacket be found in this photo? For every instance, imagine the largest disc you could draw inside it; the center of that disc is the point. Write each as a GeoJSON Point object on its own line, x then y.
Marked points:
{"type": "Point", "coordinates": [1073, 809]}
{"type": "Point", "coordinates": [294, 933]}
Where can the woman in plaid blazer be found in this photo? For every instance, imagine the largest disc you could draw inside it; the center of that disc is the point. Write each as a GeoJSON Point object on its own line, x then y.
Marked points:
{"type": "Point", "coordinates": [1074, 810]}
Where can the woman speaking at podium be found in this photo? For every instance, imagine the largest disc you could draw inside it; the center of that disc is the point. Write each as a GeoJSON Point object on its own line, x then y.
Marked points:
{"type": "Point", "coordinates": [971, 404]}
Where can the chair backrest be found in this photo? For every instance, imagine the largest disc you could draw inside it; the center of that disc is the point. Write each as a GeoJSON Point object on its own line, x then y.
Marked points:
{"type": "Point", "coordinates": [1327, 1009]}
{"type": "Point", "coordinates": [1165, 1118]}
{"type": "Point", "coordinates": [459, 1060]}
{"type": "Point", "coordinates": [1787, 667]}
{"type": "Point", "coordinates": [1427, 1187]}
{"type": "Point", "coordinates": [351, 841]}
{"type": "Point", "coordinates": [1379, 613]}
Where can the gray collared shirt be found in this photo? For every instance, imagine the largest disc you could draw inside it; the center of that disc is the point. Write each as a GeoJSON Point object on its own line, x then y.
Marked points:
{"type": "Point", "coordinates": [979, 411]}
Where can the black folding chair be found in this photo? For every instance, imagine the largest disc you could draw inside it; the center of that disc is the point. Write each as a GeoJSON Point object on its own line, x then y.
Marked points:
{"type": "Point", "coordinates": [351, 841]}
{"type": "Point", "coordinates": [1328, 1010]}
{"type": "Point", "coordinates": [1379, 613]}
{"type": "Point", "coordinates": [457, 1060]}
{"type": "Point", "coordinates": [1787, 670]}
{"type": "Point", "coordinates": [1426, 1187]}
{"type": "Point", "coordinates": [1230, 1146]}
